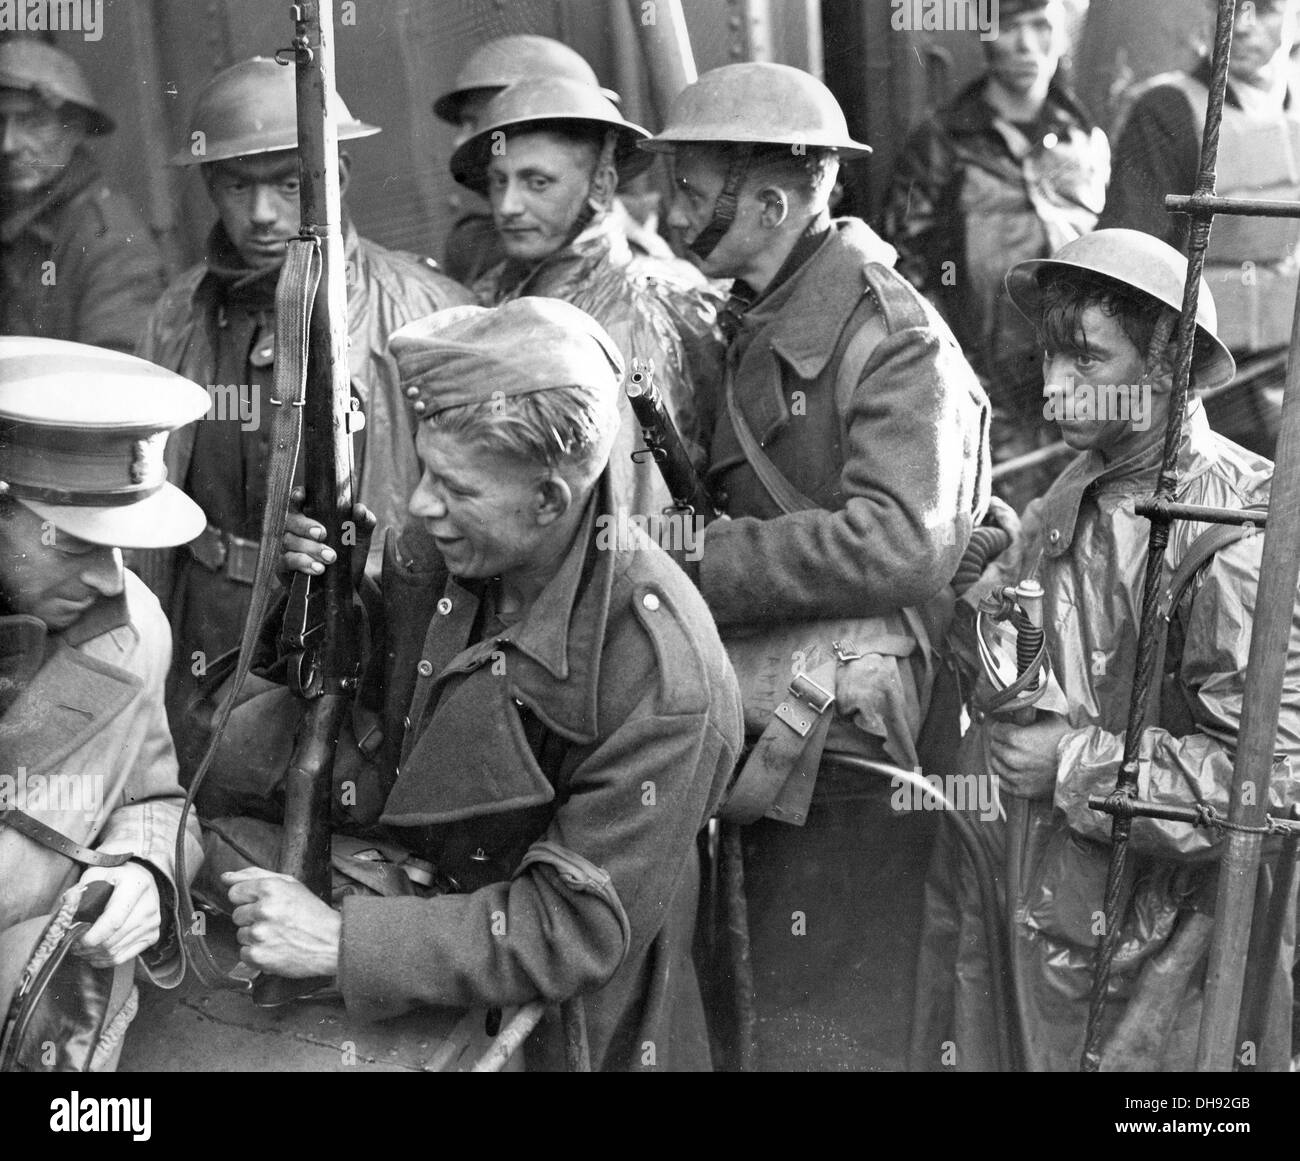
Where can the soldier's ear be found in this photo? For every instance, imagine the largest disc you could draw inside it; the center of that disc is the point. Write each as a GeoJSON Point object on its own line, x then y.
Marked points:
{"type": "Point", "coordinates": [604, 182]}
{"type": "Point", "coordinates": [554, 498]}
{"type": "Point", "coordinates": [345, 172]}
{"type": "Point", "coordinates": [776, 206]}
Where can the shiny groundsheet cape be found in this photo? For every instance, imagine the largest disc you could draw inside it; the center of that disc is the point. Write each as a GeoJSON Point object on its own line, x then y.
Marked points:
{"type": "Point", "coordinates": [1090, 549]}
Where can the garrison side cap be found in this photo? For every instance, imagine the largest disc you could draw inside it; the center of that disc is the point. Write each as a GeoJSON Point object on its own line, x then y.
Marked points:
{"type": "Point", "coordinates": [1144, 263]}
{"type": "Point", "coordinates": [467, 355]}
{"type": "Point", "coordinates": [82, 434]}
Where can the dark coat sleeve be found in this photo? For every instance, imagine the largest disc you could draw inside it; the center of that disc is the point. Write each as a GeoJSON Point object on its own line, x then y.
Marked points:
{"type": "Point", "coordinates": [916, 452]}
{"type": "Point", "coordinates": [1156, 155]}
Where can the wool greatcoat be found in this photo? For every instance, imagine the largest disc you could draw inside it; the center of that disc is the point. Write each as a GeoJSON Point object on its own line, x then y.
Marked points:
{"type": "Point", "coordinates": [901, 472]}
{"type": "Point", "coordinates": [558, 770]}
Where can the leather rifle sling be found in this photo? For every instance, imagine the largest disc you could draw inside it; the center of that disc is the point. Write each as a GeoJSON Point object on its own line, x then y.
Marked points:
{"type": "Point", "coordinates": [294, 296]}
{"type": "Point", "coordinates": [54, 840]}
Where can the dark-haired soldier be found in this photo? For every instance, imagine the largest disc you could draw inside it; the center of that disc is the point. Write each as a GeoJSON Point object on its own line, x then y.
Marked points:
{"type": "Point", "coordinates": [216, 325]}
{"type": "Point", "coordinates": [1099, 304]}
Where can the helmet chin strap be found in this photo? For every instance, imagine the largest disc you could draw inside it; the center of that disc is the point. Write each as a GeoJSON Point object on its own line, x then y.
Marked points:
{"type": "Point", "coordinates": [592, 206]}
{"type": "Point", "coordinates": [724, 207]}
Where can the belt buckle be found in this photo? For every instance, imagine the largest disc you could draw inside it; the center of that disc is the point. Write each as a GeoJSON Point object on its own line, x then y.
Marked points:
{"type": "Point", "coordinates": [806, 690]}
{"type": "Point", "coordinates": [845, 651]}
{"type": "Point", "coordinates": [241, 559]}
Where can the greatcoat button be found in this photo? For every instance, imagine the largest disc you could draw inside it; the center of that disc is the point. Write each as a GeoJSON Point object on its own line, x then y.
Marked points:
{"type": "Point", "coordinates": [444, 606]}
{"type": "Point", "coordinates": [1054, 536]}
{"type": "Point", "coordinates": [650, 601]}
{"type": "Point", "coordinates": [425, 668]}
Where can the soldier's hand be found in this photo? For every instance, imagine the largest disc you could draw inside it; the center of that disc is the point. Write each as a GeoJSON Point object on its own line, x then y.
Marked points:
{"type": "Point", "coordinates": [283, 928]}
{"type": "Point", "coordinates": [304, 550]}
{"type": "Point", "coordinates": [131, 920]}
{"type": "Point", "coordinates": [1024, 757]}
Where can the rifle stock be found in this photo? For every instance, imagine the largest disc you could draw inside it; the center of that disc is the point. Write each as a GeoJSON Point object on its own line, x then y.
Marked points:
{"type": "Point", "coordinates": [319, 632]}
{"type": "Point", "coordinates": [664, 443]}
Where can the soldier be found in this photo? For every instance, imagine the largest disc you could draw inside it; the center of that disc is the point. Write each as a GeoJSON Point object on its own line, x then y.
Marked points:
{"type": "Point", "coordinates": [872, 470]}
{"type": "Point", "coordinates": [549, 154]}
{"type": "Point", "coordinates": [561, 708]}
{"type": "Point", "coordinates": [1252, 264]}
{"type": "Point", "coordinates": [79, 262]}
{"type": "Point", "coordinates": [88, 790]}
{"type": "Point", "coordinates": [216, 325]}
{"type": "Point", "coordinates": [472, 246]}
{"type": "Point", "coordinates": [1099, 304]}
{"type": "Point", "coordinates": [1011, 168]}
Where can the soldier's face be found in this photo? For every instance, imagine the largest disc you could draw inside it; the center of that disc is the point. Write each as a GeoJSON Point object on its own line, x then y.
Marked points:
{"type": "Point", "coordinates": [257, 199]}
{"type": "Point", "coordinates": [482, 507]}
{"type": "Point", "coordinates": [1099, 390]}
{"type": "Point", "coordinates": [50, 574]}
{"type": "Point", "coordinates": [1024, 55]}
{"type": "Point", "coordinates": [699, 176]}
{"type": "Point", "coordinates": [538, 186]}
{"type": "Point", "coordinates": [36, 142]}
{"type": "Point", "coordinates": [1262, 39]}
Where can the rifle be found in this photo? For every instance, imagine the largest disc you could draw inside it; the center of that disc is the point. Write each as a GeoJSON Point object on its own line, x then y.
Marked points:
{"type": "Point", "coordinates": [312, 391]}
{"type": "Point", "coordinates": [663, 443]}
{"type": "Point", "coordinates": [319, 634]}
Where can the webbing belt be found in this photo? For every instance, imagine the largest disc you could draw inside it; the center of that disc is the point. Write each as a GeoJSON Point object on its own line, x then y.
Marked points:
{"type": "Point", "coordinates": [294, 296]}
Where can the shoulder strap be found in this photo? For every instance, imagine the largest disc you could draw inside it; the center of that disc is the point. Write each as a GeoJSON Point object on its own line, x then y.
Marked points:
{"type": "Point", "coordinates": [899, 309]}
{"type": "Point", "coordinates": [898, 306]}
{"type": "Point", "coordinates": [1194, 559]}
{"type": "Point", "coordinates": [785, 495]}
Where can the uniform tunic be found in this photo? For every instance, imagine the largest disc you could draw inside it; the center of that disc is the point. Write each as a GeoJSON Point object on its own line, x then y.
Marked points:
{"type": "Point", "coordinates": [558, 770]}
{"type": "Point", "coordinates": [902, 476]}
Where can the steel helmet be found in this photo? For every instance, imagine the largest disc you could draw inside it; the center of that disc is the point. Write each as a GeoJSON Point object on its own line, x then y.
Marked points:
{"type": "Point", "coordinates": [32, 66]}
{"type": "Point", "coordinates": [500, 63]}
{"type": "Point", "coordinates": [545, 102]}
{"type": "Point", "coordinates": [757, 104]}
{"type": "Point", "coordinates": [1145, 263]}
{"type": "Point", "coordinates": [252, 107]}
